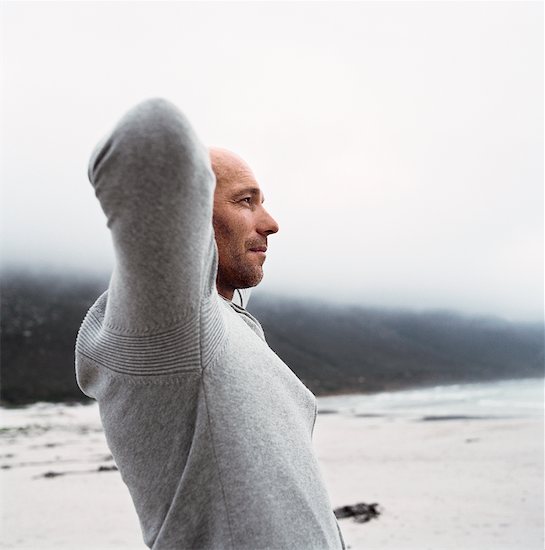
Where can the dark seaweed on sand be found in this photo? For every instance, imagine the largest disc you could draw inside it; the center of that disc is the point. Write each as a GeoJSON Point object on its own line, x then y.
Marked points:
{"type": "Point", "coordinates": [361, 512]}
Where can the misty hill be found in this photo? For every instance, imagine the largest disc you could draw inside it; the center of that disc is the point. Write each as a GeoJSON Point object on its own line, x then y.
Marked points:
{"type": "Point", "coordinates": [340, 348]}
{"type": "Point", "coordinates": [331, 348]}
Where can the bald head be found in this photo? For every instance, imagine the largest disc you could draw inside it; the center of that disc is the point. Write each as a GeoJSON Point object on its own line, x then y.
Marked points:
{"type": "Point", "coordinates": [241, 224]}
{"type": "Point", "coordinates": [228, 167]}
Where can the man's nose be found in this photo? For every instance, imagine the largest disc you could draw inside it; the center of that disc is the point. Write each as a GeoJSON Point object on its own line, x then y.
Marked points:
{"type": "Point", "coordinates": [267, 224]}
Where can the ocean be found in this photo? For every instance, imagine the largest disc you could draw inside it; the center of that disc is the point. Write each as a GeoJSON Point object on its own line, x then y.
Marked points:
{"type": "Point", "coordinates": [503, 399]}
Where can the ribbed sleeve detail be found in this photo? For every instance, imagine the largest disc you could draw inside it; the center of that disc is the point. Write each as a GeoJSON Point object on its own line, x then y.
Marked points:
{"type": "Point", "coordinates": [212, 329]}
{"type": "Point", "coordinates": [166, 352]}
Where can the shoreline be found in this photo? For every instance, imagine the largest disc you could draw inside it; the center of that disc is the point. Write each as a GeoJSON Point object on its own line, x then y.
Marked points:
{"type": "Point", "coordinates": [338, 393]}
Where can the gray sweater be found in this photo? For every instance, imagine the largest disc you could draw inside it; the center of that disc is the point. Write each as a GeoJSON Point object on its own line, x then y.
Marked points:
{"type": "Point", "coordinates": [210, 430]}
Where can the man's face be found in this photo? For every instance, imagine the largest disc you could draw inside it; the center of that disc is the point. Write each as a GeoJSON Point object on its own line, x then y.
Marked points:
{"type": "Point", "coordinates": [241, 223]}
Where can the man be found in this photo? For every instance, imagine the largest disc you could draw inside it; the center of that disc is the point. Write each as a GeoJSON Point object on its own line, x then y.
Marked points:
{"type": "Point", "coordinates": [210, 430]}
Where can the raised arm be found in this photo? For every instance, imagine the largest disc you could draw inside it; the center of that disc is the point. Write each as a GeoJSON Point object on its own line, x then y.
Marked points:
{"type": "Point", "coordinates": [154, 182]}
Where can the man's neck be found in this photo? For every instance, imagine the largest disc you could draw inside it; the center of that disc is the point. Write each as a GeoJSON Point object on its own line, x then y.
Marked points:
{"type": "Point", "coordinates": [226, 292]}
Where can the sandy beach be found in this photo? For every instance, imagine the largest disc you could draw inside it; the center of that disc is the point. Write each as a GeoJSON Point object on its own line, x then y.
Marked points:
{"type": "Point", "coordinates": [459, 484]}
{"type": "Point", "coordinates": [443, 481]}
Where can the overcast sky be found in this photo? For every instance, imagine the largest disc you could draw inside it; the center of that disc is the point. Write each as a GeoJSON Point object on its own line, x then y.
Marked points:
{"type": "Point", "coordinates": [399, 145]}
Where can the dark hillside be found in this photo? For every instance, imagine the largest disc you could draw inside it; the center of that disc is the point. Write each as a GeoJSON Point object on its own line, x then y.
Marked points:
{"type": "Point", "coordinates": [372, 350]}
{"type": "Point", "coordinates": [40, 319]}
{"type": "Point", "coordinates": [331, 348]}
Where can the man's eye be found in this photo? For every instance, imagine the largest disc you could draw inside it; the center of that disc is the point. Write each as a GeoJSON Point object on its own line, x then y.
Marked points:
{"type": "Point", "coordinates": [247, 200]}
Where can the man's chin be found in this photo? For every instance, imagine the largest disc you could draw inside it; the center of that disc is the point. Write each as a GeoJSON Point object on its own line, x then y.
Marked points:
{"type": "Point", "coordinates": [252, 277]}
{"type": "Point", "coordinates": [246, 276]}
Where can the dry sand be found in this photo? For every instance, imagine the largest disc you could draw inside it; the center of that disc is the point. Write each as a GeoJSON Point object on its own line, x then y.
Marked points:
{"type": "Point", "coordinates": [457, 484]}
{"type": "Point", "coordinates": [453, 484]}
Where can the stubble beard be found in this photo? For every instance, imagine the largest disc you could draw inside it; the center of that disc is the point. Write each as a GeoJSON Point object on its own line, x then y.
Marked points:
{"type": "Point", "coordinates": [246, 274]}
{"type": "Point", "coordinates": [239, 271]}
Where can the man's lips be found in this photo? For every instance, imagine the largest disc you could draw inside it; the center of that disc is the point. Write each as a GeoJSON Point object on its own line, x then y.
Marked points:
{"type": "Point", "coordinates": [258, 249]}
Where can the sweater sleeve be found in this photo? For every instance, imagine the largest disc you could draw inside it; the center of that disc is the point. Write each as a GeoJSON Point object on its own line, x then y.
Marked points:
{"type": "Point", "coordinates": [154, 182]}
